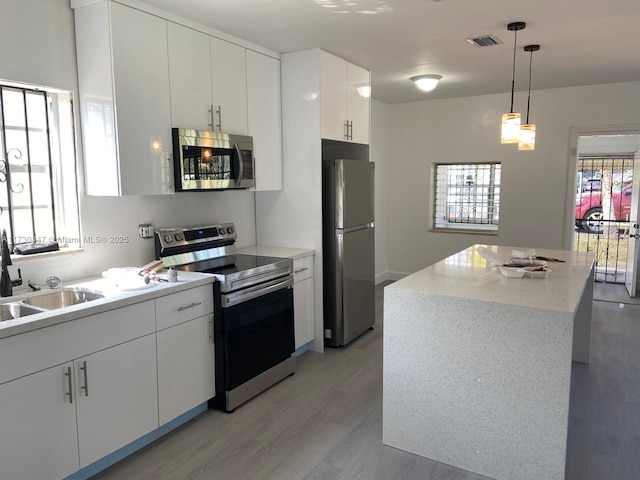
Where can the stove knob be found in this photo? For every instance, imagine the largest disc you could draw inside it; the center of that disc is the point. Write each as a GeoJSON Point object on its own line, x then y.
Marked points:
{"type": "Point", "coordinates": [180, 237]}
{"type": "Point", "coordinates": [168, 238]}
{"type": "Point", "coordinates": [223, 230]}
{"type": "Point", "coordinates": [229, 230]}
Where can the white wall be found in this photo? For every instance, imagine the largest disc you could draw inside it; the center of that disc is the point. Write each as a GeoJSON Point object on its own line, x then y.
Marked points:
{"type": "Point", "coordinates": [39, 47]}
{"type": "Point", "coordinates": [535, 185]}
{"type": "Point", "coordinates": [380, 153]}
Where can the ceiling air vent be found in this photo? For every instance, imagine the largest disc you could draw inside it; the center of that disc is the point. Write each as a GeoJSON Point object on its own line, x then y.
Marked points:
{"type": "Point", "coordinates": [484, 41]}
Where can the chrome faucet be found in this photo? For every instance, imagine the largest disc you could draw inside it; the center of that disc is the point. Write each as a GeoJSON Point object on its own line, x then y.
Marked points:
{"type": "Point", "coordinates": [6, 284]}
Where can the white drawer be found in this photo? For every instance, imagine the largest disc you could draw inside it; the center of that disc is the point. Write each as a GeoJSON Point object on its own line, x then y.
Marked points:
{"type": "Point", "coordinates": [302, 268]}
{"type": "Point", "coordinates": [183, 306]}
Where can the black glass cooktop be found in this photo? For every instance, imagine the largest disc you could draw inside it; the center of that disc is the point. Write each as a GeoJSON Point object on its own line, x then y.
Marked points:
{"type": "Point", "coordinates": [231, 264]}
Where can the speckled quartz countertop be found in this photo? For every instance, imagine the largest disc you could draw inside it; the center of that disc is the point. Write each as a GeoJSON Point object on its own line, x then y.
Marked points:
{"type": "Point", "coordinates": [113, 298]}
{"type": "Point", "coordinates": [477, 366]}
{"type": "Point", "coordinates": [283, 252]}
{"type": "Point", "coordinates": [468, 275]}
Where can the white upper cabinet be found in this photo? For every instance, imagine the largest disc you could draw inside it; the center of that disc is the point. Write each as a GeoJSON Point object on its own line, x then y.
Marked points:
{"type": "Point", "coordinates": [124, 100]}
{"type": "Point", "coordinates": [344, 110]}
{"type": "Point", "coordinates": [141, 75]}
{"type": "Point", "coordinates": [333, 97]}
{"type": "Point", "coordinates": [208, 82]}
{"type": "Point", "coordinates": [229, 72]}
{"type": "Point", "coordinates": [265, 119]}
{"type": "Point", "coordinates": [358, 103]}
{"type": "Point", "coordinates": [190, 78]}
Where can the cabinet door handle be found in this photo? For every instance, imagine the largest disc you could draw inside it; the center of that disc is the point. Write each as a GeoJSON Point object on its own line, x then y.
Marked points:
{"type": "Point", "coordinates": [210, 112]}
{"type": "Point", "coordinates": [85, 387]}
{"type": "Point", "coordinates": [301, 270]}
{"type": "Point", "coordinates": [186, 307]}
{"type": "Point", "coordinates": [70, 385]}
{"type": "Point", "coordinates": [219, 115]}
{"type": "Point", "coordinates": [351, 130]}
{"type": "Point", "coordinates": [210, 324]}
{"type": "Point", "coordinates": [346, 129]}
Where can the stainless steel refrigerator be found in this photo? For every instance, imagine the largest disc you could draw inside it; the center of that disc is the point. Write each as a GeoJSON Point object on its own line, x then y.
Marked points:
{"type": "Point", "coordinates": [348, 248]}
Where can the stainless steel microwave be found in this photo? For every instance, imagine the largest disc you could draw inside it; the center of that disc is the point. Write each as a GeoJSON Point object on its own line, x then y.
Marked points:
{"type": "Point", "coordinates": [212, 160]}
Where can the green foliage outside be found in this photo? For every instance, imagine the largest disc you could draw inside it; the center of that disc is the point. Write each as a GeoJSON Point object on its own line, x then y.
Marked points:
{"type": "Point", "coordinates": [616, 249]}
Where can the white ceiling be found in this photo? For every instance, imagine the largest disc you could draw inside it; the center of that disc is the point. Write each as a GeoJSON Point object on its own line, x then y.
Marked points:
{"type": "Point", "coordinates": [583, 42]}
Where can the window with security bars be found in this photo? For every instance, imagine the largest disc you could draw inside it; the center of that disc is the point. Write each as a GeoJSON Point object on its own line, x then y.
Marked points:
{"type": "Point", "coordinates": [467, 196]}
{"type": "Point", "coordinates": [38, 186]}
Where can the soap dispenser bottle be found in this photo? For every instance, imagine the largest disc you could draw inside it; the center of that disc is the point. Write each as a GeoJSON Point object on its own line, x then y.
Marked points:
{"type": "Point", "coordinates": [6, 288]}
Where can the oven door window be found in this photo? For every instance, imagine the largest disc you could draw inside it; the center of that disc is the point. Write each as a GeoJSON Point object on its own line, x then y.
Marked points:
{"type": "Point", "coordinates": [258, 334]}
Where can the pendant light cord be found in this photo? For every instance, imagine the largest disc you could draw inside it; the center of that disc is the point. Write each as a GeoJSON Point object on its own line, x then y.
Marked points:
{"type": "Point", "coordinates": [529, 94]}
{"type": "Point", "coordinates": [513, 78]}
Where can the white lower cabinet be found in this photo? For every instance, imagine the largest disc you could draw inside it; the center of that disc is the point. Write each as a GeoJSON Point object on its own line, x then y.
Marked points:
{"type": "Point", "coordinates": [75, 392]}
{"type": "Point", "coordinates": [303, 303]}
{"type": "Point", "coordinates": [186, 376]}
{"type": "Point", "coordinates": [117, 397]}
{"type": "Point", "coordinates": [38, 438]}
{"type": "Point", "coordinates": [91, 406]}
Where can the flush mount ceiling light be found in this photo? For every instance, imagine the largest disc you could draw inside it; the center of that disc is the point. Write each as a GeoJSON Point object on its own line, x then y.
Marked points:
{"type": "Point", "coordinates": [426, 83]}
{"type": "Point", "coordinates": [510, 131]}
{"type": "Point", "coordinates": [527, 140]}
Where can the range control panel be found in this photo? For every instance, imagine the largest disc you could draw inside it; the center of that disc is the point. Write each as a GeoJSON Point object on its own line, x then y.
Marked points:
{"type": "Point", "coordinates": [181, 237]}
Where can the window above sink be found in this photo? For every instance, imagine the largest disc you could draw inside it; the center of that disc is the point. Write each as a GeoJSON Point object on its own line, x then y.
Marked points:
{"type": "Point", "coordinates": [38, 184]}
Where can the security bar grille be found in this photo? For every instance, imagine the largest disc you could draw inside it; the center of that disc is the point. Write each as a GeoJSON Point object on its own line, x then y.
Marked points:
{"type": "Point", "coordinates": [603, 205]}
{"type": "Point", "coordinates": [467, 196]}
{"type": "Point", "coordinates": [26, 172]}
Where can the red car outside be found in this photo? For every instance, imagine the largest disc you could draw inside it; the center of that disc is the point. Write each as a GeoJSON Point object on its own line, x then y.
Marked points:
{"type": "Point", "coordinates": [589, 207]}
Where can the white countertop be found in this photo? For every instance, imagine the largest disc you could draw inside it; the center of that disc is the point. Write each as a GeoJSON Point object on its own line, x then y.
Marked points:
{"type": "Point", "coordinates": [114, 298]}
{"type": "Point", "coordinates": [468, 275]}
{"type": "Point", "coordinates": [283, 252]}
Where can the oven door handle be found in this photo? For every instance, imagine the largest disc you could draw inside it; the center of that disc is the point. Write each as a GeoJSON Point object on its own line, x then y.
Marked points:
{"type": "Point", "coordinates": [231, 299]}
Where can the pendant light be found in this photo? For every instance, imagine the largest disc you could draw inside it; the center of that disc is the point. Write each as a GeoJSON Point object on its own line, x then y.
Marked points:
{"type": "Point", "coordinates": [527, 139]}
{"type": "Point", "coordinates": [510, 132]}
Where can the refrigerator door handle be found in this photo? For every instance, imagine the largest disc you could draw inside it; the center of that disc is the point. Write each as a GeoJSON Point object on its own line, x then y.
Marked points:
{"type": "Point", "coordinates": [356, 228]}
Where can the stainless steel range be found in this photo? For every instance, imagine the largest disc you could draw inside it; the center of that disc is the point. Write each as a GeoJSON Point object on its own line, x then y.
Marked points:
{"type": "Point", "coordinates": [253, 301]}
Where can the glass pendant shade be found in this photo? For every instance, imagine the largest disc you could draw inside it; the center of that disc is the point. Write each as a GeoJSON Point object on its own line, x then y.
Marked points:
{"type": "Point", "coordinates": [510, 132]}
{"type": "Point", "coordinates": [527, 139]}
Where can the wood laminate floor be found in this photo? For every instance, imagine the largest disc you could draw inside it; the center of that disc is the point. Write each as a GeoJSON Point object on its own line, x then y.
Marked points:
{"type": "Point", "coordinates": [325, 422]}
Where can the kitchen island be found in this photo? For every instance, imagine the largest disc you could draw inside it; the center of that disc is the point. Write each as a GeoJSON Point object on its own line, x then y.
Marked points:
{"type": "Point", "coordinates": [477, 366]}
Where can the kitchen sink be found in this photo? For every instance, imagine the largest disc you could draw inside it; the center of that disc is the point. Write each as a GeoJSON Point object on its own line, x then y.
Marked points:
{"type": "Point", "coordinates": [62, 298]}
{"type": "Point", "coordinates": [9, 311]}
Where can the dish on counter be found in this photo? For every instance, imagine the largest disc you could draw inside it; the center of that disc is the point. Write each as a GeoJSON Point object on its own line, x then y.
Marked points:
{"type": "Point", "coordinates": [537, 272]}
{"type": "Point", "coordinates": [525, 262]}
{"type": "Point", "coordinates": [512, 272]}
